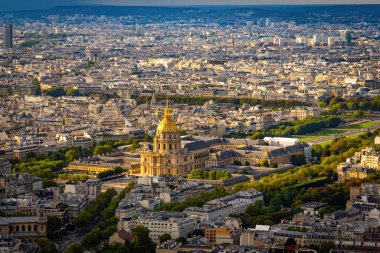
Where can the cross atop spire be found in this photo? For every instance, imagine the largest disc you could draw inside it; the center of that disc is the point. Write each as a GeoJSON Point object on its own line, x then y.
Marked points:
{"type": "Point", "coordinates": [167, 110]}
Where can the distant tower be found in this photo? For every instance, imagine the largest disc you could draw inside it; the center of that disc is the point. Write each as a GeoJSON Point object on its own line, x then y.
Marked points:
{"type": "Point", "coordinates": [139, 30]}
{"type": "Point", "coordinates": [7, 36]}
{"type": "Point", "coordinates": [153, 101]}
{"type": "Point", "coordinates": [267, 22]}
{"type": "Point", "coordinates": [346, 36]}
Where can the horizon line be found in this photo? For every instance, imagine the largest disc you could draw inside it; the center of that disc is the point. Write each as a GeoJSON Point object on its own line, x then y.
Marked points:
{"type": "Point", "coordinates": [195, 5]}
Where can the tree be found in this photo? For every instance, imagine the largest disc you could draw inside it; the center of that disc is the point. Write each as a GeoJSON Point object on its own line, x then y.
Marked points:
{"type": "Point", "coordinates": [72, 92]}
{"type": "Point", "coordinates": [102, 149]}
{"type": "Point", "coordinates": [264, 163]}
{"type": "Point", "coordinates": [297, 160]}
{"type": "Point", "coordinates": [72, 155]}
{"type": "Point", "coordinates": [92, 239]}
{"type": "Point", "coordinates": [55, 92]}
{"type": "Point", "coordinates": [84, 219]}
{"type": "Point", "coordinates": [148, 138]}
{"type": "Point", "coordinates": [135, 145]}
{"type": "Point", "coordinates": [181, 240]}
{"type": "Point", "coordinates": [182, 132]}
{"type": "Point", "coordinates": [46, 246]}
{"type": "Point", "coordinates": [275, 204]}
{"type": "Point", "coordinates": [142, 241]}
{"type": "Point", "coordinates": [274, 165]}
{"type": "Point", "coordinates": [326, 247]}
{"type": "Point", "coordinates": [290, 245]}
{"type": "Point", "coordinates": [165, 237]}
{"type": "Point", "coordinates": [199, 232]}
{"type": "Point", "coordinates": [358, 113]}
{"type": "Point", "coordinates": [253, 209]}
{"type": "Point", "coordinates": [54, 224]}
{"type": "Point", "coordinates": [75, 248]}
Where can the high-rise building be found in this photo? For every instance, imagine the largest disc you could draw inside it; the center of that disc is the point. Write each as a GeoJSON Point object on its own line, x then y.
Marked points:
{"type": "Point", "coordinates": [345, 35]}
{"type": "Point", "coordinates": [7, 36]}
{"type": "Point", "coordinates": [267, 22]}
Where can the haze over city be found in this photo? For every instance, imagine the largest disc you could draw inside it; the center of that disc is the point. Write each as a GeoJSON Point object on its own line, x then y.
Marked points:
{"type": "Point", "coordinates": [44, 4]}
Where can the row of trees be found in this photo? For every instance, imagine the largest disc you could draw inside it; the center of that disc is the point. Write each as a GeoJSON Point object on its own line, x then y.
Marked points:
{"type": "Point", "coordinates": [88, 216]}
{"type": "Point", "coordinates": [102, 149]}
{"type": "Point", "coordinates": [106, 225]}
{"type": "Point", "coordinates": [212, 175]}
{"type": "Point", "coordinates": [60, 91]}
{"type": "Point", "coordinates": [191, 202]}
{"type": "Point", "coordinates": [259, 214]}
{"type": "Point", "coordinates": [358, 103]}
{"type": "Point", "coordinates": [112, 172]}
{"type": "Point", "coordinates": [200, 100]}
{"type": "Point", "coordinates": [299, 127]}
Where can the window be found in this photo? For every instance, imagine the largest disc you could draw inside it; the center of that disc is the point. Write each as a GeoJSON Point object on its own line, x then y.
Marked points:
{"type": "Point", "coordinates": [170, 146]}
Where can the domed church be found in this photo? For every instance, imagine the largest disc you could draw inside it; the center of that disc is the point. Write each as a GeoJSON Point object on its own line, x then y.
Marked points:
{"type": "Point", "coordinates": [166, 156]}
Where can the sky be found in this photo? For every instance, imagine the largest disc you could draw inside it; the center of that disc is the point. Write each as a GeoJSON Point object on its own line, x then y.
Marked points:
{"type": "Point", "coordinates": [10, 5]}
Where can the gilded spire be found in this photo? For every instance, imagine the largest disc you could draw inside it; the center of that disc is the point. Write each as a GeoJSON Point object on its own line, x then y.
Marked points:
{"type": "Point", "coordinates": [167, 124]}
{"type": "Point", "coordinates": [167, 115]}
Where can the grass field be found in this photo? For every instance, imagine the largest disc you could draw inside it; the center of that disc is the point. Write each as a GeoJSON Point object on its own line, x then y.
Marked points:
{"type": "Point", "coordinates": [316, 135]}
{"type": "Point", "coordinates": [331, 132]}
{"type": "Point", "coordinates": [361, 125]}
{"type": "Point", "coordinates": [326, 132]}
{"type": "Point", "coordinates": [307, 138]}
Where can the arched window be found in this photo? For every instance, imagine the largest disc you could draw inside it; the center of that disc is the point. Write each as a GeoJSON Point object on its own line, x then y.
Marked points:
{"type": "Point", "coordinates": [29, 228]}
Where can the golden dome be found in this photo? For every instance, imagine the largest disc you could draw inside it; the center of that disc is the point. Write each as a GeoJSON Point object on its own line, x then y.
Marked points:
{"type": "Point", "coordinates": [167, 124]}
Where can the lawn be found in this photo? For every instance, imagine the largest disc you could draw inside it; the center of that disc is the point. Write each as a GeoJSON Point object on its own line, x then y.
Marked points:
{"type": "Point", "coordinates": [361, 125]}
{"type": "Point", "coordinates": [307, 138]}
{"type": "Point", "coordinates": [326, 132]}
{"type": "Point", "coordinates": [315, 135]}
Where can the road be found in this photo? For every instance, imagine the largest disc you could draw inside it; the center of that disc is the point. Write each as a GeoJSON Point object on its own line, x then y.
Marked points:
{"type": "Point", "coordinates": [69, 239]}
